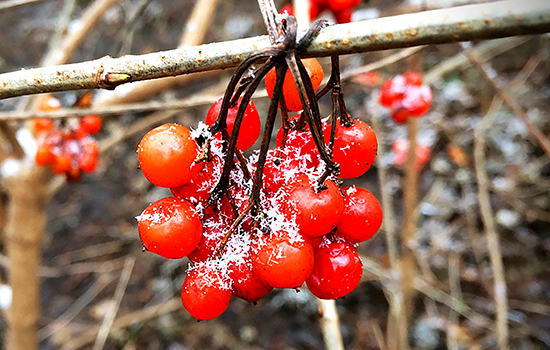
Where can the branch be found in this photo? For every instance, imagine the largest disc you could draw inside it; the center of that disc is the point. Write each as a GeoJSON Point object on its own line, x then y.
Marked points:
{"type": "Point", "coordinates": [511, 17]}
{"type": "Point", "coordinates": [16, 3]}
{"type": "Point", "coordinates": [487, 216]}
{"type": "Point", "coordinates": [507, 98]}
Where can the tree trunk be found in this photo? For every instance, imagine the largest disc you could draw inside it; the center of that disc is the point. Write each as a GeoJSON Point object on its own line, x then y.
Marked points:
{"type": "Point", "coordinates": [26, 220]}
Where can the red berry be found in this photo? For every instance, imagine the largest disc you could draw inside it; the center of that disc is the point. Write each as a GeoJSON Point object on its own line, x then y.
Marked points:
{"type": "Point", "coordinates": [413, 78]}
{"type": "Point", "coordinates": [362, 215]}
{"type": "Point", "coordinates": [343, 16]}
{"type": "Point", "coordinates": [245, 283]}
{"type": "Point", "coordinates": [290, 92]}
{"type": "Point", "coordinates": [282, 260]}
{"type": "Point", "coordinates": [355, 148]}
{"type": "Point", "coordinates": [198, 189]}
{"type": "Point", "coordinates": [400, 115]}
{"type": "Point", "coordinates": [167, 155]}
{"type": "Point", "coordinates": [42, 124]}
{"type": "Point", "coordinates": [44, 155]}
{"type": "Point", "coordinates": [340, 5]}
{"type": "Point", "coordinates": [206, 293]}
{"type": "Point", "coordinates": [418, 100]}
{"type": "Point", "coordinates": [91, 124]}
{"type": "Point", "coordinates": [250, 125]}
{"type": "Point", "coordinates": [170, 227]}
{"type": "Point", "coordinates": [287, 10]}
{"type": "Point", "coordinates": [61, 163]}
{"type": "Point", "coordinates": [300, 141]}
{"type": "Point", "coordinates": [337, 270]}
{"type": "Point", "coordinates": [316, 213]}
{"type": "Point", "coordinates": [214, 229]}
{"type": "Point", "coordinates": [392, 90]}
{"type": "Point", "coordinates": [88, 162]}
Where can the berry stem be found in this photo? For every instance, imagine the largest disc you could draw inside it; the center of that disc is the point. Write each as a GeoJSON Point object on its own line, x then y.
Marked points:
{"type": "Point", "coordinates": [268, 130]}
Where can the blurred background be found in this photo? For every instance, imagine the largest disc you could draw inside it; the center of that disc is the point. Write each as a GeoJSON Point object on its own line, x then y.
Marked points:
{"type": "Point", "coordinates": [91, 239]}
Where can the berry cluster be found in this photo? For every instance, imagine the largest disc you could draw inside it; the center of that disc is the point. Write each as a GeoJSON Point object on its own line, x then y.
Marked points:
{"type": "Point", "coordinates": [341, 9]}
{"type": "Point", "coordinates": [406, 96]}
{"type": "Point", "coordinates": [273, 218]}
{"type": "Point", "coordinates": [70, 151]}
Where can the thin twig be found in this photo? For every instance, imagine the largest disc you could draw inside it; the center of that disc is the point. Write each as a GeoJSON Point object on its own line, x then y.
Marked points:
{"type": "Point", "coordinates": [119, 293]}
{"type": "Point", "coordinates": [16, 3]}
{"type": "Point", "coordinates": [495, 254]}
{"type": "Point", "coordinates": [489, 75]}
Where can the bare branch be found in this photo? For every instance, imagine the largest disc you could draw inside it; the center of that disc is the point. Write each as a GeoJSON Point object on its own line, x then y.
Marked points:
{"type": "Point", "coordinates": [484, 21]}
{"type": "Point", "coordinates": [509, 101]}
{"type": "Point", "coordinates": [487, 216]}
{"type": "Point", "coordinates": [16, 3]}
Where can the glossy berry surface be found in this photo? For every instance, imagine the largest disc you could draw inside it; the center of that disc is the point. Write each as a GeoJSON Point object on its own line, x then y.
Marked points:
{"type": "Point", "coordinates": [206, 293]}
{"type": "Point", "coordinates": [246, 285]}
{"type": "Point", "coordinates": [337, 270]}
{"type": "Point", "coordinates": [170, 227]}
{"type": "Point", "coordinates": [355, 148]}
{"type": "Point", "coordinates": [250, 125]}
{"type": "Point", "coordinates": [44, 155]}
{"type": "Point", "coordinates": [290, 92]}
{"type": "Point", "coordinates": [282, 260]}
{"type": "Point", "coordinates": [167, 156]}
{"type": "Point", "coordinates": [316, 214]}
{"type": "Point", "coordinates": [91, 124]}
{"type": "Point", "coordinates": [199, 187]}
{"type": "Point", "coordinates": [361, 217]}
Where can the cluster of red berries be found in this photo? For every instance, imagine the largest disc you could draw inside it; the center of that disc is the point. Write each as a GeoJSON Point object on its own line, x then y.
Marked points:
{"type": "Point", "coordinates": [341, 9]}
{"type": "Point", "coordinates": [70, 152]}
{"type": "Point", "coordinates": [302, 231]}
{"type": "Point", "coordinates": [406, 96]}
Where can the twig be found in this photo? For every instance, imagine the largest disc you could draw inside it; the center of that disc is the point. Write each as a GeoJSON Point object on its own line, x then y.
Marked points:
{"type": "Point", "coordinates": [514, 106]}
{"type": "Point", "coordinates": [127, 320]}
{"type": "Point", "coordinates": [495, 254]}
{"type": "Point", "coordinates": [511, 17]}
{"type": "Point", "coordinates": [61, 53]}
{"type": "Point", "coordinates": [66, 317]}
{"type": "Point", "coordinates": [119, 293]}
{"type": "Point", "coordinates": [330, 325]}
{"type": "Point", "coordinates": [16, 3]}
{"type": "Point", "coordinates": [196, 27]}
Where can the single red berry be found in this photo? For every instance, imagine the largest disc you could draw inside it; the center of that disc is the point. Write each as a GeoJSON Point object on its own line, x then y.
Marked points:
{"type": "Point", "coordinates": [206, 292]}
{"type": "Point", "coordinates": [250, 125]}
{"type": "Point", "coordinates": [198, 189]}
{"type": "Point", "coordinates": [61, 163]}
{"type": "Point", "coordinates": [417, 100]}
{"type": "Point", "coordinates": [399, 114]}
{"type": "Point", "coordinates": [392, 90]}
{"type": "Point", "coordinates": [214, 229]}
{"type": "Point", "coordinates": [413, 78]}
{"type": "Point", "coordinates": [287, 10]}
{"type": "Point", "coordinates": [88, 162]}
{"type": "Point", "coordinates": [340, 5]}
{"type": "Point", "coordinates": [245, 283]}
{"type": "Point", "coordinates": [42, 124]}
{"type": "Point", "coordinates": [316, 214]}
{"type": "Point", "coordinates": [343, 16]}
{"type": "Point", "coordinates": [282, 259]}
{"type": "Point", "coordinates": [362, 215]}
{"type": "Point", "coordinates": [280, 170]}
{"type": "Point", "coordinates": [170, 227]}
{"type": "Point", "coordinates": [337, 270]}
{"type": "Point", "coordinates": [355, 148]}
{"type": "Point", "coordinates": [44, 155]}
{"type": "Point", "coordinates": [290, 92]}
{"type": "Point", "coordinates": [300, 141]}
{"type": "Point", "coordinates": [91, 124]}
{"type": "Point", "coordinates": [167, 155]}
